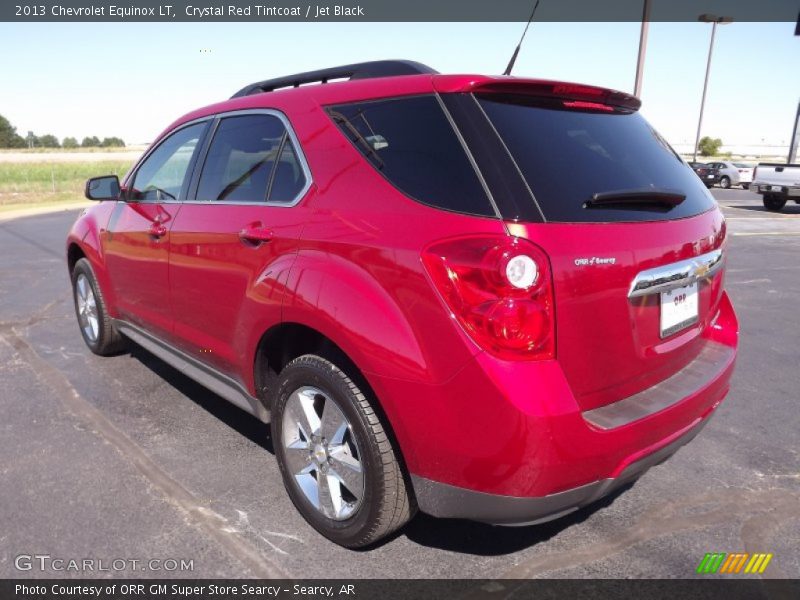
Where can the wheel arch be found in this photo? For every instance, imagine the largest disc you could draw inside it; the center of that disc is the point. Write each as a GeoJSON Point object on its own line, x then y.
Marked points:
{"type": "Point", "coordinates": [285, 341]}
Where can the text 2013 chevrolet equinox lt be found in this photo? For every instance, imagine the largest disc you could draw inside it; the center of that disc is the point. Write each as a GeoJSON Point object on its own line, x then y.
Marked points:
{"type": "Point", "coordinates": [490, 298]}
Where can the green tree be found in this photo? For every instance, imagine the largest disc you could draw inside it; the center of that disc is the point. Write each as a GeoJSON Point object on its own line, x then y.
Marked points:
{"type": "Point", "coordinates": [112, 142]}
{"type": "Point", "coordinates": [709, 146]}
{"type": "Point", "coordinates": [9, 138]}
{"type": "Point", "coordinates": [70, 142]}
{"type": "Point", "coordinates": [48, 141]}
{"type": "Point", "coordinates": [90, 142]}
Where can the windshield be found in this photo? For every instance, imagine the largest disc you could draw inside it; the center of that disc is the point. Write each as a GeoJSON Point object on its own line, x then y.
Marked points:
{"type": "Point", "coordinates": [568, 156]}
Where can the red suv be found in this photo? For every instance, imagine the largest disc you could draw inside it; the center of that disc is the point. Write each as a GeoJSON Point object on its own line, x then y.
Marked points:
{"type": "Point", "coordinates": [490, 298]}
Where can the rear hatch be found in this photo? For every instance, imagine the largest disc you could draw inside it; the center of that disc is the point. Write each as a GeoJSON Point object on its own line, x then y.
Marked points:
{"type": "Point", "coordinates": [611, 202]}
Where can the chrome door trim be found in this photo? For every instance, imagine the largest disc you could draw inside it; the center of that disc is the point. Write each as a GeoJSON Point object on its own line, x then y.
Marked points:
{"type": "Point", "coordinates": [677, 274]}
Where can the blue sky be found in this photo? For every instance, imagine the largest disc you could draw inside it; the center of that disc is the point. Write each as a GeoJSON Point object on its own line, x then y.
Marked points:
{"type": "Point", "coordinates": [132, 79]}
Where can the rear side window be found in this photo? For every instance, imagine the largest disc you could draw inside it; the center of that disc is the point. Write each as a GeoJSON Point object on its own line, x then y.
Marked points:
{"type": "Point", "coordinates": [251, 159]}
{"type": "Point", "coordinates": [567, 156]}
{"type": "Point", "coordinates": [412, 144]}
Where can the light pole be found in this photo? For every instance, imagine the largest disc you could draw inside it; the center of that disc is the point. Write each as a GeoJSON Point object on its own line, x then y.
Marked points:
{"type": "Point", "coordinates": [714, 20]}
{"type": "Point", "coordinates": [637, 85]}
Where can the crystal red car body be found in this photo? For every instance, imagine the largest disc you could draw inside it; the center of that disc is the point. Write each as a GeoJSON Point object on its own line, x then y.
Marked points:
{"type": "Point", "coordinates": [565, 392]}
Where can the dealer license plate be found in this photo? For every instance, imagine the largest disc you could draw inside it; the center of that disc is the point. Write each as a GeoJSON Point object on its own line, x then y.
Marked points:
{"type": "Point", "coordinates": [678, 309]}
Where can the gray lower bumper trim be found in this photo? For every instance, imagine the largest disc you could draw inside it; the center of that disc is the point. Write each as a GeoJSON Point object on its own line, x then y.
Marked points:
{"type": "Point", "coordinates": [698, 374]}
{"type": "Point", "coordinates": [447, 501]}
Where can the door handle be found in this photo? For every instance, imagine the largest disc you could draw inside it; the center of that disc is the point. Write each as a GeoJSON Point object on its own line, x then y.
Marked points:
{"type": "Point", "coordinates": [158, 230]}
{"type": "Point", "coordinates": [256, 234]}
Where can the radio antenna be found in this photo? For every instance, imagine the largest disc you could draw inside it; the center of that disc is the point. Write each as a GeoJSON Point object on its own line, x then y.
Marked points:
{"type": "Point", "coordinates": [516, 51]}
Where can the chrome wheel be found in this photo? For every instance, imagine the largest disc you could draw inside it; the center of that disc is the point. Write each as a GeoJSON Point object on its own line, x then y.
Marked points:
{"type": "Point", "coordinates": [87, 308]}
{"type": "Point", "coordinates": [322, 454]}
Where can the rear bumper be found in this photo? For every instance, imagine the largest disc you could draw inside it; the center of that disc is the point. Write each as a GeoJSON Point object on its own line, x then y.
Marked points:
{"type": "Point", "coordinates": [507, 442]}
{"type": "Point", "coordinates": [786, 191]}
{"type": "Point", "coordinates": [447, 501]}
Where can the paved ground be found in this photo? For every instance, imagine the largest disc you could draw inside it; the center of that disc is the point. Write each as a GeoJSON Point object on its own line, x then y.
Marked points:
{"type": "Point", "coordinates": [124, 458]}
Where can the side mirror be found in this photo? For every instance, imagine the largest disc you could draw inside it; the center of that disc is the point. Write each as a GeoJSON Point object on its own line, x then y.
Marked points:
{"type": "Point", "coordinates": [103, 188]}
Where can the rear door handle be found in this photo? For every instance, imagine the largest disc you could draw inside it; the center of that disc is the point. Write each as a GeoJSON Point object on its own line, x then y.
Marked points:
{"type": "Point", "coordinates": [256, 234]}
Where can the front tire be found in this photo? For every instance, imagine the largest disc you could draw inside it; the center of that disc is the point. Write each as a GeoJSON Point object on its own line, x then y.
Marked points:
{"type": "Point", "coordinates": [95, 324]}
{"type": "Point", "coordinates": [337, 461]}
{"type": "Point", "coordinates": [725, 182]}
{"type": "Point", "coordinates": [774, 203]}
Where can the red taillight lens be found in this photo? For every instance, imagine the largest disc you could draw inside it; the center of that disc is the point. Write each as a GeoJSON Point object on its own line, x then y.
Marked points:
{"type": "Point", "coordinates": [500, 290]}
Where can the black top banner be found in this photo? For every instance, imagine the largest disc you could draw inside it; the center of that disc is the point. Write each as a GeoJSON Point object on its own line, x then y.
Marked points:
{"type": "Point", "coordinates": [393, 10]}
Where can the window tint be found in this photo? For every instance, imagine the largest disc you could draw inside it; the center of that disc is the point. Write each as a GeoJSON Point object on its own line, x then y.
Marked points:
{"type": "Point", "coordinates": [411, 143]}
{"type": "Point", "coordinates": [241, 158]}
{"type": "Point", "coordinates": [567, 156]}
{"type": "Point", "coordinates": [162, 175]}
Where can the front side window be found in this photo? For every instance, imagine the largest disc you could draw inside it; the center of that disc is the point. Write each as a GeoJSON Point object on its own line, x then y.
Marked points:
{"type": "Point", "coordinates": [412, 144]}
{"type": "Point", "coordinates": [251, 159]}
{"type": "Point", "coordinates": [162, 175]}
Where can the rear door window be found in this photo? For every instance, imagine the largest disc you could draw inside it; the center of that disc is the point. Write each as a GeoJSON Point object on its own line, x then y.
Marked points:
{"type": "Point", "coordinates": [566, 156]}
{"type": "Point", "coordinates": [413, 145]}
{"type": "Point", "coordinates": [251, 159]}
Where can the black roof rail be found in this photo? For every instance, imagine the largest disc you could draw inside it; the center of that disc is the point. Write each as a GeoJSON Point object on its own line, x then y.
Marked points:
{"type": "Point", "coordinates": [365, 70]}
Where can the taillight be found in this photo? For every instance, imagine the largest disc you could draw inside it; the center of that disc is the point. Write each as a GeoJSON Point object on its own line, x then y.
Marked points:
{"type": "Point", "coordinates": [754, 173]}
{"type": "Point", "coordinates": [500, 291]}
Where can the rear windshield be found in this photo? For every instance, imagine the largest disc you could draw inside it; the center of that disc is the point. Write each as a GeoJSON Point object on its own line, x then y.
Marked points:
{"type": "Point", "coordinates": [567, 156]}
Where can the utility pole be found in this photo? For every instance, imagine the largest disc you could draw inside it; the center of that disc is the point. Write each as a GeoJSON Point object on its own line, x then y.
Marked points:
{"type": "Point", "coordinates": [795, 139]}
{"type": "Point", "coordinates": [714, 20]}
{"type": "Point", "coordinates": [637, 86]}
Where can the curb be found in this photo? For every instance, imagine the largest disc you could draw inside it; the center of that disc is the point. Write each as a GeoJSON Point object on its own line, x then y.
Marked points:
{"type": "Point", "coordinates": [43, 210]}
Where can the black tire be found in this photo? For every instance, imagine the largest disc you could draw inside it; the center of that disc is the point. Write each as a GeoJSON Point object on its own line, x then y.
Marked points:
{"type": "Point", "coordinates": [725, 182]}
{"type": "Point", "coordinates": [386, 504]}
{"type": "Point", "coordinates": [774, 203]}
{"type": "Point", "coordinates": [745, 186]}
{"type": "Point", "coordinates": [107, 341]}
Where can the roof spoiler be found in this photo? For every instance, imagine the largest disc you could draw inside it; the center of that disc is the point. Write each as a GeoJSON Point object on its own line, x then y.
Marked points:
{"type": "Point", "coordinates": [365, 70]}
{"type": "Point", "coordinates": [545, 89]}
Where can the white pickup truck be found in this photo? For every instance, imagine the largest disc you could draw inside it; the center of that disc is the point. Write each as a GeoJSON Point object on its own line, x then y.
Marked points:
{"type": "Point", "coordinates": [777, 183]}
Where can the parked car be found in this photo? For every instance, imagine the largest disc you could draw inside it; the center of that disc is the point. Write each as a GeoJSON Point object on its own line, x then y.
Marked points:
{"type": "Point", "coordinates": [733, 173]}
{"type": "Point", "coordinates": [777, 183]}
{"type": "Point", "coordinates": [404, 273]}
{"type": "Point", "coordinates": [706, 173]}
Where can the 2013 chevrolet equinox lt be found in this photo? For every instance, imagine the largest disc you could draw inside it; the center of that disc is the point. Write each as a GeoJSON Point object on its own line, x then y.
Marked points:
{"type": "Point", "coordinates": [491, 298]}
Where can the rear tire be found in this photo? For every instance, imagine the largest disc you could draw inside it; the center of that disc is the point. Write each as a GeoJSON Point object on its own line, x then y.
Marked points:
{"type": "Point", "coordinates": [774, 203]}
{"type": "Point", "coordinates": [725, 182]}
{"type": "Point", "coordinates": [337, 461]}
{"type": "Point", "coordinates": [95, 324]}
{"type": "Point", "coordinates": [745, 186]}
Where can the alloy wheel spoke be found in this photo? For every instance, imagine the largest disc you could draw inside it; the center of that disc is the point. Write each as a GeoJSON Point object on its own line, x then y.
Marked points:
{"type": "Point", "coordinates": [298, 416]}
{"type": "Point", "coordinates": [333, 424]}
{"type": "Point", "coordinates": [348, 470]}
{"type": "Point", "coordinates": [330, 496]}
{"type": "Point", "coordinates": [82, 287]}
{"type": "Point", "coordinates": [297, 457]}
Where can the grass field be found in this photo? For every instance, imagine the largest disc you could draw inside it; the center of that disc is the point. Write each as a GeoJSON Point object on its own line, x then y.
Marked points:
{"type": "Point", "coordinates": [26, 183]}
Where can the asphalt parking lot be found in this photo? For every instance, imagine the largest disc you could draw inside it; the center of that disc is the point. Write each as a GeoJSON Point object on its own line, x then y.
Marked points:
{"type": "Point", "coordinates": [124, 458]}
